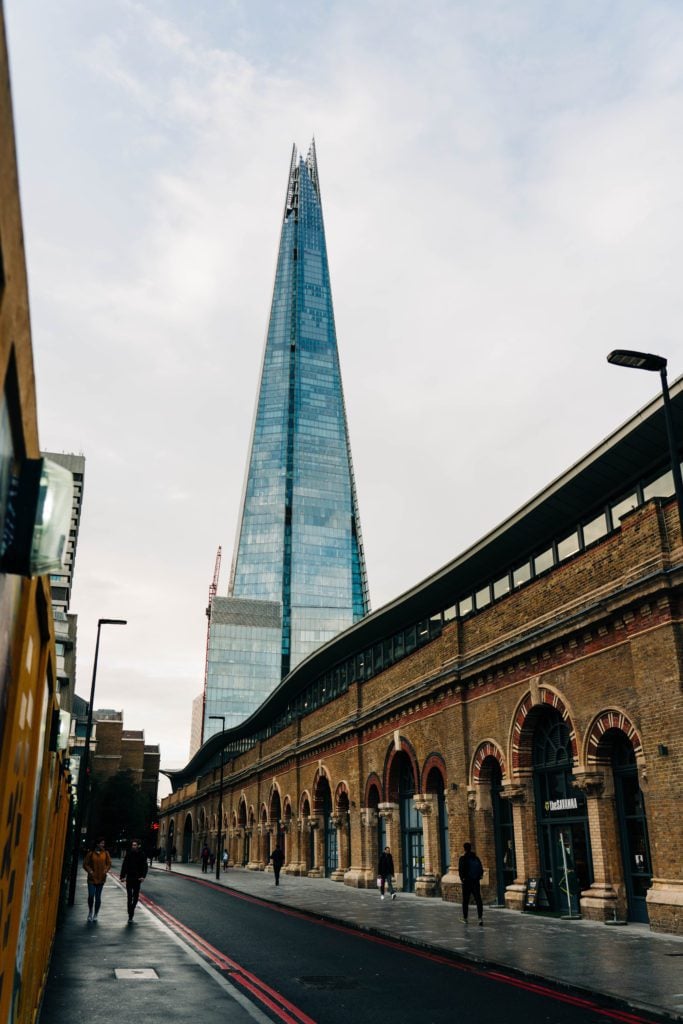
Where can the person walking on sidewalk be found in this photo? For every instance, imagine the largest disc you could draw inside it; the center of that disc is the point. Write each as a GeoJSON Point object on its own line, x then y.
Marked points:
{"type": "Point", "coordinates": [133, 871]}
{"type": "Point", "coordinates": [205, 854]}
{"type": "Point", "coordinates": [278, 858]}
{"type": "Point", "coordinates": [471, 872]}
{"type": "Point", "coordinates": [385, 872]}
{"type": "Point", "coordinates": [96, 864]}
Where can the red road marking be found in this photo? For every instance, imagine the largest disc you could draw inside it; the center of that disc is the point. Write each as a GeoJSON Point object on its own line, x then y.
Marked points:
{"type": "Point", "coordinates": [270, 997]}
{"type": "Point", "coordinates": [498, 976]}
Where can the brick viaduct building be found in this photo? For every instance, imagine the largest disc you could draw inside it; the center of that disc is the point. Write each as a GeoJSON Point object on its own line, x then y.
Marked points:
{"type": "Point", "coordinates": [526, 697]}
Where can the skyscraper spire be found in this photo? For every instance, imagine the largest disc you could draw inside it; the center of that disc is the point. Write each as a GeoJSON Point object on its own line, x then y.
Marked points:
{"type": "Point", "coordinates": [298, 573]}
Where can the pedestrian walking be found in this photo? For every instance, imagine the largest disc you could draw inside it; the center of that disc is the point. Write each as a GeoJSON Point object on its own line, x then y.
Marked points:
{"type": "Point", "coordinates": [471, 872]}
{"type": "Point", "coordinates": [277, 858]}
{"type": "Point", "coordinates": [225, 859]}
{"type": "Point", "coordinates": [169, 859]}
{"type": "Point", "coordinates": [96, 864]}
{"type": "Point", "coordinates": [205, 855]}
{"type": "Point", "coordinates": [133, 871]}
{"type": "Point", "coordinates": [385, 873]}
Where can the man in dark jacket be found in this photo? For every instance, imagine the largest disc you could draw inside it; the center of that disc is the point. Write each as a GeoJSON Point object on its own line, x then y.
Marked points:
{"type": "Point", "coordinates": [471, 872]}
{"type": "Point", "coordinates": [385, 872]}
{"type": "Point", "coordinates": [133, 870]}
{"type": "Point", "coordinates": [277, 857]}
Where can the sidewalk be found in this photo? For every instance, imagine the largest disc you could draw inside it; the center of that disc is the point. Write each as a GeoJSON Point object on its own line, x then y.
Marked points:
{"type": "Point", "coordinates": [83, 986]}
{"type": "Point", "coordinates": [642, 968]}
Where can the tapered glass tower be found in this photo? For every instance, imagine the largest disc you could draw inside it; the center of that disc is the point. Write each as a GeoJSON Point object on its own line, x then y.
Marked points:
{"type": "Point", "coordinates": [298, 571]}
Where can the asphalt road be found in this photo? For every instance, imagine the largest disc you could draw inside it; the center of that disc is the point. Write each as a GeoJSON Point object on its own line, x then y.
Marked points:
{"type": "Point", "coordinates": [303, 970]}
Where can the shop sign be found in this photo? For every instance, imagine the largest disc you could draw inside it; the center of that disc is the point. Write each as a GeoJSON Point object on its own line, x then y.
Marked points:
{"type": "Point", "coordinates": [567, 803]}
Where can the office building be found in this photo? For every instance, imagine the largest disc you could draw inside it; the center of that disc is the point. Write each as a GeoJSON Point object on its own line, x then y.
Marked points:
{"type": "Point", "coordinates": [298, 572]}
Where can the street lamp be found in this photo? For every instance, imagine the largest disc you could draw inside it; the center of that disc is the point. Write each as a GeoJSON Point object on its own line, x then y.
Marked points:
{"type": "Point", "coordinates": [83, 768]}
{"type": "Point", "coordinates": [219, 854]}
{"type": "Point", "coordinates": [647, 361]}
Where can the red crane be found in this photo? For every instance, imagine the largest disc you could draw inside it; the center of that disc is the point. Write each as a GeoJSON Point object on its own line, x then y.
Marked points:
{"type": "Point", "coordinates": [213, 589]}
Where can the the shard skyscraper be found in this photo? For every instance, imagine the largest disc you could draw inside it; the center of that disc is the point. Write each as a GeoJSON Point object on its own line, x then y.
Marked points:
{"type": "Point", "coordinates": [298, 572]}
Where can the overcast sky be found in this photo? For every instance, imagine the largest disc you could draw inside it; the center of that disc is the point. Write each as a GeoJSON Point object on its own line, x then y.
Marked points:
{"type": "Point", "coordinates": [503, 201]}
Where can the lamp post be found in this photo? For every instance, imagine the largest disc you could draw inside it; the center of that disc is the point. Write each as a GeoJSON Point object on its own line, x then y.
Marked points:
{"type": "Point", "coordinates": [219, 853]}
{"type": "Point", "coordinates": [648, 361]}
{"type": "Point", "coordinates": [83, 767]}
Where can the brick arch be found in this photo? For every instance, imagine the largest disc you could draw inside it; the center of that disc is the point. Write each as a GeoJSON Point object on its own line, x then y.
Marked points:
{"type": "Point", "coordinates": [287, 808]}
{"type": "Point", "coordinates": [341, 796]}
{"type": "Point", "coordinates": [234, 819]}
{"type": "Point", "coordinates": [405, 748]}
{"type": "Point", "coordinates": [304, 799]}
{"type": "Point", "coordinates": [488, 748]}
{"type": "Point", "coordinates": [242, 813]}
{"type": "Point", "coordinates": [434, 760]}
{"type": "Point", "coordinates": [595, 749]}
{"type": "Point", "coordinates": [373, 779]}
{"type": "Point", "coordinates": [263, 815]}
{"type": "Point", "coordinates": [524, 720]}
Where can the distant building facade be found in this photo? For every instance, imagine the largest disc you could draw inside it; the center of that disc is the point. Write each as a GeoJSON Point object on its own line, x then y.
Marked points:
{"type": "Point", "coordinates": [298, 574]}
{"type": "Point", "coordinates": [526, 697]}
{"type": "Point", "coordinates": [115, 749]}
{"type": "Point", "coordinates": [66, 623]}
{"type": "Point", "coordinates": [196, 725]}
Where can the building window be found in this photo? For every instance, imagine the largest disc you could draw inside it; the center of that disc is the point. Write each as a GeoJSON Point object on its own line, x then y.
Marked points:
{"type": "Point", "coordinates": [544, 561]}
{"type": "Point", "coordinates": [522, 574]}
{"type": "Point", "coordinates": [568, 546]}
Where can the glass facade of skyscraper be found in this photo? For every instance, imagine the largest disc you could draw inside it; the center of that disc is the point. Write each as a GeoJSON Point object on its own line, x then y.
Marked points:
{"type": "Point", "coordinates": [299, 549]}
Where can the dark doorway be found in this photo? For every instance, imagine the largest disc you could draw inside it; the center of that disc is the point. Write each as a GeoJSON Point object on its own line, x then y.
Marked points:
{"type": "Point", "coordinates": [561, 815]}
{"type": "Point", "coordinates": [503, 832]}
{"type": "Point", "coordinates": [635, 846]}
{"type": "Point", "coordinates": [411, 825]}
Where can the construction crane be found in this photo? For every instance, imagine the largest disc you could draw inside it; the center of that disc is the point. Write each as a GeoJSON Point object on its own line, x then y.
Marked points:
{"type": "Point", "coordinates": [213, 589]}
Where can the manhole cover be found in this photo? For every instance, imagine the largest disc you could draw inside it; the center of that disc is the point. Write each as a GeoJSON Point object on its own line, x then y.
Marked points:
{"type": "Point", "coordinates": [135, 974]}
{"type": "Point", "coordinates": [327, 982]}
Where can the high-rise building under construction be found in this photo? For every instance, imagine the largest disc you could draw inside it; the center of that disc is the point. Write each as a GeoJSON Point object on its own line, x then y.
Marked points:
{"type": "Point", "coordinates": [298, 571]}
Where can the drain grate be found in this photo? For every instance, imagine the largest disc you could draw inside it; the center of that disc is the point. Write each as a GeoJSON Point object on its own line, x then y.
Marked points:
{"type": "Point", "coordinates": [135, 974]}
{"type": "Point", "coordinates": [327, 983]}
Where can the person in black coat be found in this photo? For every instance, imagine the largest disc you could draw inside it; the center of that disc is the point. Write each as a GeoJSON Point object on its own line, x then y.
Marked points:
{"type": "Point", "coordinates": [471, 872]}
{"type": "Point", "coordinates": [385, 872]}
{"type": "Point", "coordinates": [133, 870]}
{"type": "Point", "coordinates": [277, 858]}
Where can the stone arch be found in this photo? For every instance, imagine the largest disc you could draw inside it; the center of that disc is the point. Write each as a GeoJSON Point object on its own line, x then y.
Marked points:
{"type": "Point", "coordinates": [242, 812]}
{"type": "Point", "coordinates": [234, 819]}
{"type": "Point", "coordinates": [342, 800]}
{"type": "Point", "coordinates": [527, 714]}
{"type": "Point", "coordinates": [596, 749]}
{"type": "Point", "coordinates": [263, 817]}
{"type": "Point", "coordinates": [433, 763]}
{"type": "Point", "coordinates": [321, 782]}
{"type": "Point", "coordinates": [478, 771]}
{"type": "Point", "coordinates": [274, 803]}
{"type": "Point", "coordinates": [373, 791]}
{"type": "Point", "coordinates": [390, 765]}
{"type": "Point", "coordinates": [252, 816]}
{"type": "Point", "coordinates": [305, 805]}
{"type": "Point", "coordinates": [287, 809]}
